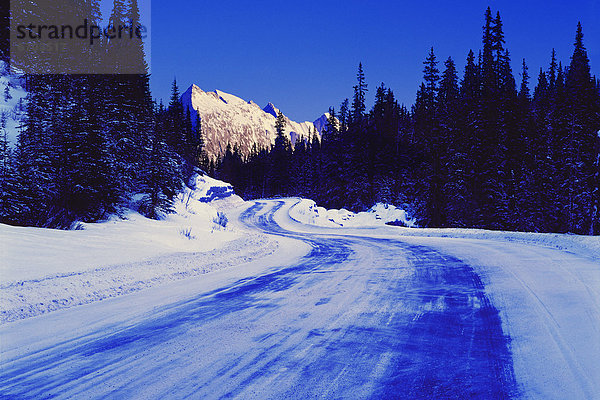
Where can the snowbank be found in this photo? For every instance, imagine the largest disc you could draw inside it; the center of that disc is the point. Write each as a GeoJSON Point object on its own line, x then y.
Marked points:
{"type": "Point", "coordinates": [205, 189]}
{"type": "Point", "coordinates": [588, 246]}
{"type": "Point", "coordinates": [44, 269]}
{"type": "Point", "coordinates": [33, 253]}
{"type": "Point", "coordinates": [307, 212]}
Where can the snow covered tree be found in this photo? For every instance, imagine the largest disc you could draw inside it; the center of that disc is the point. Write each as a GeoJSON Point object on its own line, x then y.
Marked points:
{"type": "Point", "coordinates": [35, 155]}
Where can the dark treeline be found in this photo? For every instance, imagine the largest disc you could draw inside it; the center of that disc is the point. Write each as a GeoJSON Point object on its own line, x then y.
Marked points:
{"type": "Point", "coordinates": [92, 143]}
{"type": "Point", "coordinates": [479, 150]}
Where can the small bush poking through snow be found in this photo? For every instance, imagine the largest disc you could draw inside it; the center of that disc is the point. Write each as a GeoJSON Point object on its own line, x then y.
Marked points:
{"type": "Point", "coordinates": [187, 233]}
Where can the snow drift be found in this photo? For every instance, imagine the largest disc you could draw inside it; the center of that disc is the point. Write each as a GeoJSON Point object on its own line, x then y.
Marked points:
{"type": "Point", "coordinates": [307, 212]}
{"type": "Point", "coordinates": [43, 270]}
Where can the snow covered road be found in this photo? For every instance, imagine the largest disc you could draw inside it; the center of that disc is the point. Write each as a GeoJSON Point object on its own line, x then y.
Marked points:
{"type": "Point", "coordinates": [335, 313]}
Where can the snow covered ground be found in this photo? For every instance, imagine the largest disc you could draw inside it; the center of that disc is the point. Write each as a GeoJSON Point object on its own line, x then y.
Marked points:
{"type": "Point", "coordinates": [307, 212]}
{"type": "Point", "coordinates": [549, 304]}
{"type": "Point", "coordinates": [43, 270]}
{"type": "Point", "coordinates": [545, 286]}
{"type": "Point", "coordinates": [246, 310]}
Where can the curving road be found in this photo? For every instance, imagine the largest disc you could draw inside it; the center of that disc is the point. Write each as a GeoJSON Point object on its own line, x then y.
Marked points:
{"type": "Point", "coordinates": [357, 317]}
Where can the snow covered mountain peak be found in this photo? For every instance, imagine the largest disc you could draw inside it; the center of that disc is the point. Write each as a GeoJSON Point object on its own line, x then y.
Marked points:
{"type": "Point", "coordinates": [229, 98]}
{"type": "Point", "coordinates": [228, 119]}
{"type": "Point", "coordinates": [271, 109]}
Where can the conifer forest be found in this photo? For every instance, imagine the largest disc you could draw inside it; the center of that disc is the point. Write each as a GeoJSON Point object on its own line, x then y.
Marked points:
{"type": "Point", "coordinates": [487, 147]}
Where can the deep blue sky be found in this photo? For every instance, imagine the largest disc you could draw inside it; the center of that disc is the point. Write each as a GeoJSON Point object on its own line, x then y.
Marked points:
{"type": "Point", "coordinates": [302, 56]}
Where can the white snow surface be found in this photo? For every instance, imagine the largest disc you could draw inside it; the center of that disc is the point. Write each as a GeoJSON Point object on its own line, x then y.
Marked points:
{"type": "Point", "coordinates": [545, 286]}
{"type": "Point", "coordinates": [43, 270]}
{"type": "Point", "coordinates": [307, 212]}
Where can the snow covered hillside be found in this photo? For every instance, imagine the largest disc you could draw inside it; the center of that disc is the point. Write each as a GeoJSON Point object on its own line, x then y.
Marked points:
{"type": "Point", "coordinates": [229, 119]}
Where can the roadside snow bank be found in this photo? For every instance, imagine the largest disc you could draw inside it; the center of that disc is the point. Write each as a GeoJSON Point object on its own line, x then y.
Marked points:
{"type": "Point", "coordinates": [205, 189]}
{"type": "Point", "coordinates": [34, 253]}
{"type": "Point", "coordinates": [307, 212]}
{"type": "Point", "coordinates": [27, 298]}
{"type": "Point", "coordinates": [42, 270]}
{"type": "Point", "coordinates": [588, 246]}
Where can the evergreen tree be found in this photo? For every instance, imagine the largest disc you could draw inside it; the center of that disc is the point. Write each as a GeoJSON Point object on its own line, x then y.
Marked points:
{"type": "Point", "coordinates": [5, 33]}
{"type": "Point", "coordinates": [497, 37]}
{"type": "Point", "coordinates": [280, 158]}
{"type": "Point", "coordinates": [200, 141]}
{"type": "Point", "coordinates": [580, 146]}
{"type": "Point", "coordinates": [162, 178]}
{"type": "Point", "coordinates": [487, 55]}
{"type": "Point", "coordinates": [344, 116]}
{"type": "Point", "coordinates": [490, 168]}
{"type": "Point", "coordinates": [431, 78]}
{"type": "Point", "coordinates": [533, 156]}
{"type": "Point", "coordinates": [8, 183]}
{"type": "Point", "coordinates": [87, 189]}
{"type": "Point", "coordinates": [428, 131]}
{"type": "Point", "coordinates": [35, 154]}
{"type": "Point", "coordinates": [331, 128]}
{"type": "Point", "coordinates": [553, 70]}
{"type": "Point", "coordinates": [524, 93]}
{"type": "Point", "coordinates": [469, 117]}
{"type": "Point", "coordinates": [452, 152]}
{"type": "Point", "coordinates": [358, 101]}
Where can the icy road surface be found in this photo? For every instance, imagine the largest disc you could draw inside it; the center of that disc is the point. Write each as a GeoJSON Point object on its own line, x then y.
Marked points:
{"type": "Point", "coordinates": [343, 314]}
